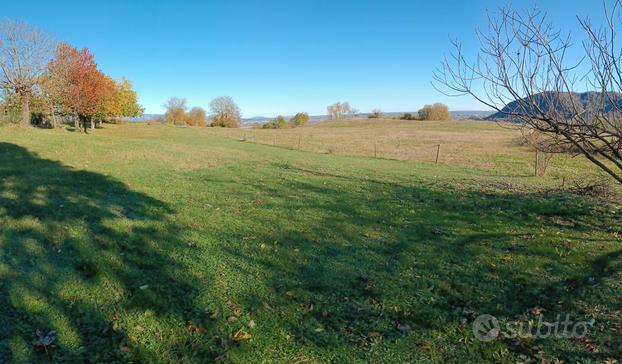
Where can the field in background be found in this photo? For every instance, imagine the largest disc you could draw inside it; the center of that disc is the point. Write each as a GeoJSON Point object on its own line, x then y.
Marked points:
{"type": "Point", "coordinates": [495, 147]}
{"type": "Point", "coordinates": [144, 243]}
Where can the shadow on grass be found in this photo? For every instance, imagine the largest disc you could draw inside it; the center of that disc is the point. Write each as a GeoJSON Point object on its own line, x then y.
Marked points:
{"type": "Point", "coordinates": [83, 255]}
{"type": "Point", "coordinates": [350, 264]}
{"type": "Point", "coordinates": [370, 262]}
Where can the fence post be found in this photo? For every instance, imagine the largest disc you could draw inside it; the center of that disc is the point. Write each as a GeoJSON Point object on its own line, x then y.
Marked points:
{"type": "Point", "coordinates": [375, 148]}
{"type": "Point", "coordinates": [438, 151]}
{"type": "Point", "coordinates": [299, 138]}
{"type": "Point", "coordinates": [536, 165]}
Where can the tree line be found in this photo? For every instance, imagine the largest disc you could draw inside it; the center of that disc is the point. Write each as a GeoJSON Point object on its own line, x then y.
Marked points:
{"type": "Point", "coordinates": [224, 112]}
{"type": "Point", "coordinates": [48, 82]}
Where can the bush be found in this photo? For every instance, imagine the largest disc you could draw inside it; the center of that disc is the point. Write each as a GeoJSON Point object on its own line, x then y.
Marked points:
{"type": "Point", "coordinates": [375, 114]}
{"type": "Point", "coordinates": [437, 111]}
{"type": "Point", "coordinates": [278, 123]}
{"type": "Point", "coordinates": [300, 119]}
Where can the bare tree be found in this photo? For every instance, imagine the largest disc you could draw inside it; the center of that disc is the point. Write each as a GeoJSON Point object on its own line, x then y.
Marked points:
{"type": "Point", "coordinates": [225, 112]}
{"type": "Point", "coordinates": [24, 54]}
{"type": "Point", "coordinates": [340, 110]}
{"type": "Point", "coordinates": [525, 72]}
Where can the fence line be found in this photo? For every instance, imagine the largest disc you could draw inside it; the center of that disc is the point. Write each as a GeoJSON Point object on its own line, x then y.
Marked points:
{"type": "Point", "coordinates": [316, 144]}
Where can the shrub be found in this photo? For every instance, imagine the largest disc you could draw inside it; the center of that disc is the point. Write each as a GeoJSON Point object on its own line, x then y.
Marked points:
{"type": "Point", "coordinates": [437, 111]}
{"type": "Point", "coordinates": [300, 119]}
{"type": "Point", "coordinates": [375, 114]}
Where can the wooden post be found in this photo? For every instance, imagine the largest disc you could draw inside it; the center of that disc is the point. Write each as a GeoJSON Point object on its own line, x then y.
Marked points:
{"type": "Point", "coordinates": [536, 165]}
{"type": "Point", "coordinates": [299, 139]}
{"type": "Point", "coordinates": [438, 151]}
{"type": "Point", "coordinates": [375, 149]}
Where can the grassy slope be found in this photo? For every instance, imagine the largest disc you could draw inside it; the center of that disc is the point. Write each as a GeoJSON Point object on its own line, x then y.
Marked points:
{"type": "Point", "coordinates": [158, 244]}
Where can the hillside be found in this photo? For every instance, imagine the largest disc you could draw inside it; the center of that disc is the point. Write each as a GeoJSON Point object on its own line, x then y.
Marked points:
{"type": "Point", "coordinates": [143, 243]}
{"type": "Point", "coordinates": [586, 100]}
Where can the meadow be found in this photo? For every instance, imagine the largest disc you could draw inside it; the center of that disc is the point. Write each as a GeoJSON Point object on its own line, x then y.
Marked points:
{"type": "Point", "coordinates": [152, 243]}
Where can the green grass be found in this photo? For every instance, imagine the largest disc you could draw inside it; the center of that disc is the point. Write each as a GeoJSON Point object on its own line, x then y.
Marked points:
{"type": "Point", "coordinates": [158, 244]}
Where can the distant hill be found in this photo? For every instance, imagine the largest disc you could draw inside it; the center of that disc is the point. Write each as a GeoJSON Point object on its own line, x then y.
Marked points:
{"type": "Point", "coordinates": [546, 100]}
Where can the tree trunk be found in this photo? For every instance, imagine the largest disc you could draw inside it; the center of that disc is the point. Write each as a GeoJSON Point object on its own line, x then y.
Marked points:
{"type": "Point", "coordinates": [25, 108]}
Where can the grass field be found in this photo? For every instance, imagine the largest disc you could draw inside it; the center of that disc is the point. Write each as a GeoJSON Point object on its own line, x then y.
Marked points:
{"type": "Point", "coordinates": [160, 244]}
{"type": "Point", "coordinates": [478, 144]}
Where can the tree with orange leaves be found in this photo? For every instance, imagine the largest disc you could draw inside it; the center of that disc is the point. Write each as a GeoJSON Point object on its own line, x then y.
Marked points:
{"type": "Point", "coordinates": [79, 87]}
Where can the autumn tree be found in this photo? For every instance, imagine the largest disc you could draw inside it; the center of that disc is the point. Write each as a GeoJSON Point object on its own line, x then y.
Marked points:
{"type": "Point", "coordinates": [225, 112]}
{"type": "Point", "coordinates": [79, 87]}
{"type": "Point", "coordinates": [300, 119]}
{"type": "Point", "coordinates": [197, 116]}
{"type": "Point", "coordinates": [24, 54]}
{"type": "Point", "coordinates": [108, 103]}
{"type": "Point", "coordinates": [437, 111]}
{"type": "Point", "coordinates": [175, 111]}
{"type": "Point", "coordinates": [127, 99]}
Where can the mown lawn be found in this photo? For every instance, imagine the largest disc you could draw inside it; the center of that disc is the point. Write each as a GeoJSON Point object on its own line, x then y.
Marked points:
{"type": "Point", "coordinates": [159, 244]}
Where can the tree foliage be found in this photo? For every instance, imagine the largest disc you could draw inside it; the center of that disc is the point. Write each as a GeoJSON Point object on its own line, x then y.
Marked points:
{"type": "Point", "coordinates": [73, 85]}
{"type": "Point", "coordinates": [437, 111]}
{"type": "Point", "coordinates": [197, 116]}
{"type": "Point", "coordinates": [176, 111]}
{"type": "Point", "coordinates": [80, 88]}
{"type": "Point", "coordinates": [127, 99]}
{"type": "Point", "coordinates": [300, 119]}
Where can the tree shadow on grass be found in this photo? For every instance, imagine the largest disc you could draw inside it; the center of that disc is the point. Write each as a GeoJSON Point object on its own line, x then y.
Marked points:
{"type": "Point", "coordinates": [83, 255]}
{"type": "Point", "coordinates": [368, 263]}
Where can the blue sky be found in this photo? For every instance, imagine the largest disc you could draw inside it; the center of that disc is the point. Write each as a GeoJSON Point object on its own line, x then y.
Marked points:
{"type": "Point", "coordinates": [278, 57]}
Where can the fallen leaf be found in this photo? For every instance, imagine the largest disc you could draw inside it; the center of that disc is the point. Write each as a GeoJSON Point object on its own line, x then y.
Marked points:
{"type": "Point", "coordinates": [425, 346]}
{"type": "Point", "coordinates": [241, 335]}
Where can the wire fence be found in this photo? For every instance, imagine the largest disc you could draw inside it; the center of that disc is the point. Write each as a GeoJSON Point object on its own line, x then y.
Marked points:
{"type": "Point", "coordinates": [379, 147]}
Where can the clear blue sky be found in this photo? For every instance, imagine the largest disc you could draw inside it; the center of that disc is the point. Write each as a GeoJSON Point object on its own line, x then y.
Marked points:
{"type": "Point", "coordinates": [278, 57]}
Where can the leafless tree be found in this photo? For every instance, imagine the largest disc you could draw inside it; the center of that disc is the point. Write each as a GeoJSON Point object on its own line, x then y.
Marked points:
{"type": "Point", "coordinates": [340, 110]}
{"type": "Point", "coordinates": [225, 112]}
{"type": "Point", "coordinates": [24, 54]}
{"type": "Point", "coordinates": [524, 71]}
